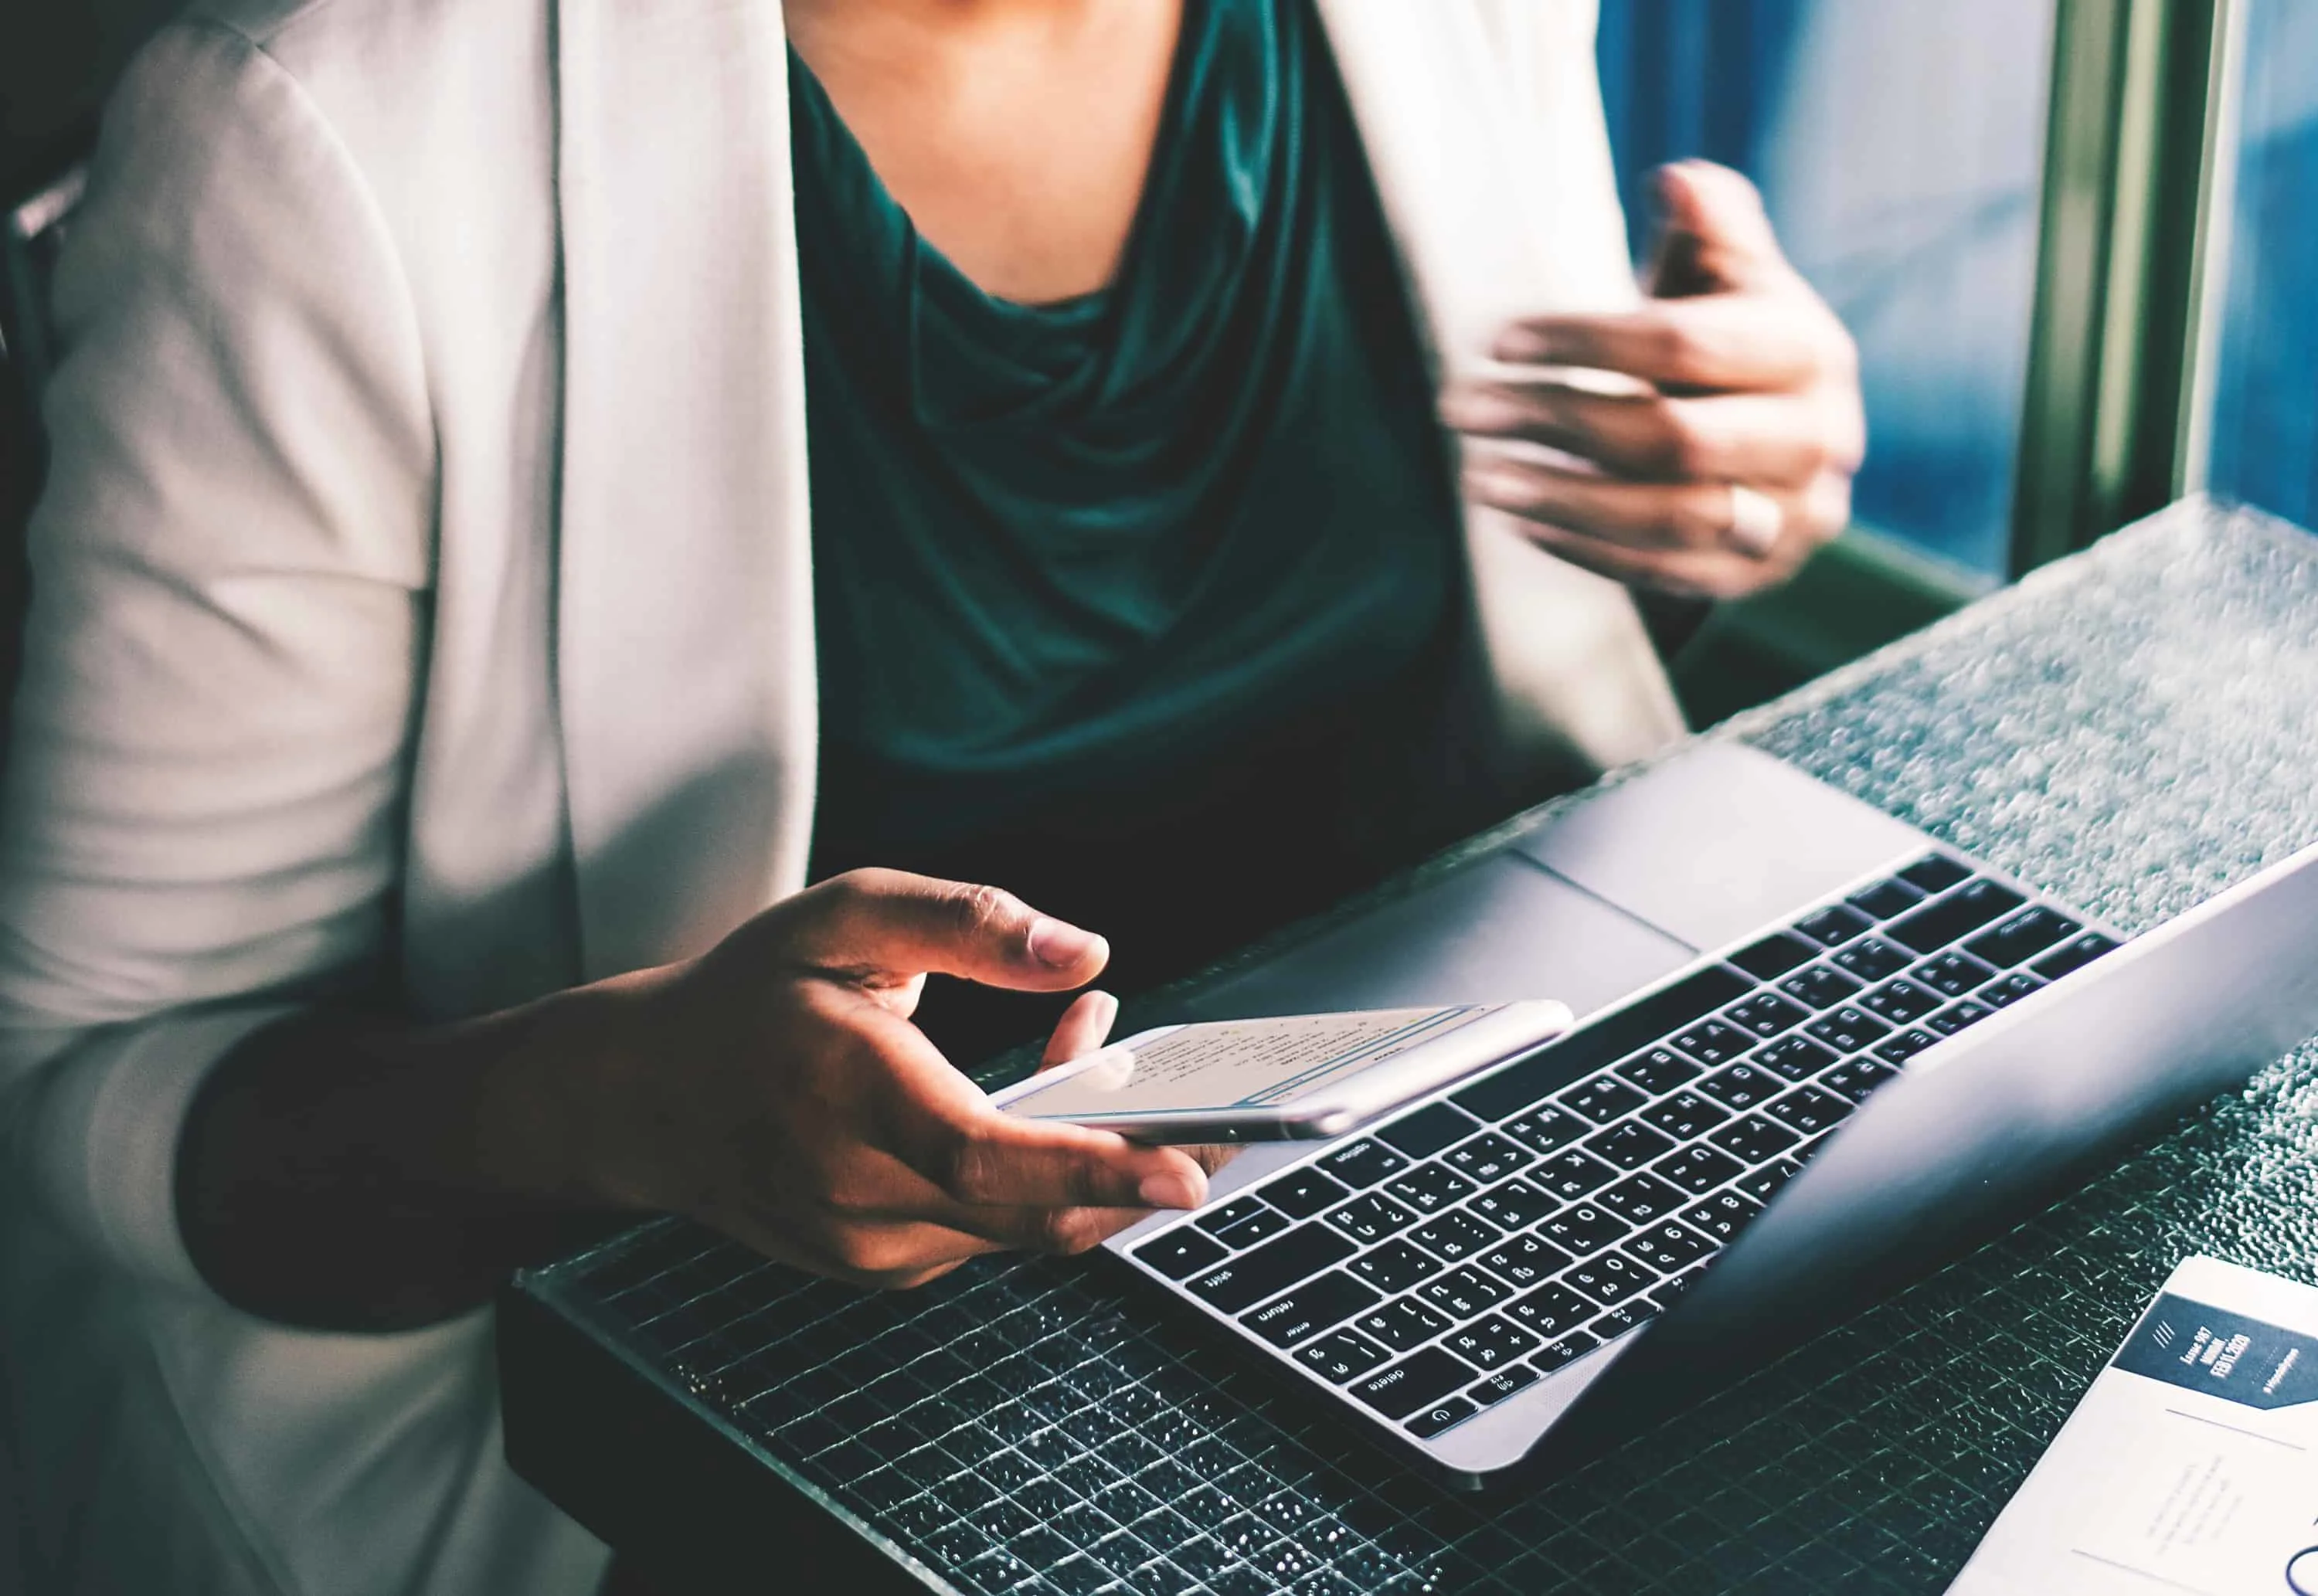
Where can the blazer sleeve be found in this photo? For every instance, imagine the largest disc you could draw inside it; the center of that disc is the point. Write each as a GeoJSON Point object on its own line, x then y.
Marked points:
{"type": "Point", "coordinates": [200, 823]}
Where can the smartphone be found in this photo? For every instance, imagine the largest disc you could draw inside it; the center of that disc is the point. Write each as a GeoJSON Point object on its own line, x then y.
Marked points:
{"type": "Point", "coordinates": [1302, 1076]}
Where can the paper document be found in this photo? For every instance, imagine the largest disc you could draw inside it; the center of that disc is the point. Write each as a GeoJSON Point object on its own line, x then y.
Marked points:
{"type": "Point", "coordinates": [2191, 1464]}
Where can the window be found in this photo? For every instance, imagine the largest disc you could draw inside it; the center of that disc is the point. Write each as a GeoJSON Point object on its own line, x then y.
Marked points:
{"type": "Point", "coordinates": [1898, 146]}
{"type": "Point", "coordinates": [2262, 439]}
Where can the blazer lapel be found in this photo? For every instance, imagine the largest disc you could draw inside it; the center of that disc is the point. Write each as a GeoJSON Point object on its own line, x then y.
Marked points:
{"type": "Point", "coordinates": [1483, 125]}
{"type": "Point", "coordinates": [684, 657]}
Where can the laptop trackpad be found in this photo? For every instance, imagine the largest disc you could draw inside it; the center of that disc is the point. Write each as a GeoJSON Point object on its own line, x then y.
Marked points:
{"type": "Point", "coordinates": [1499, 929]}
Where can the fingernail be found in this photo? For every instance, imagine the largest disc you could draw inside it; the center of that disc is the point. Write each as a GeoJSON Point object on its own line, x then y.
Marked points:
{"type": "Point", "coordinates": [1060, 946]}
{"type": "Point", "coordinates": [1171, 1191]}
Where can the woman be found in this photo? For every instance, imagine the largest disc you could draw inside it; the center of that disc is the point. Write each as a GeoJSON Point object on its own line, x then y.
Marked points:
{"type": "Point", "coordinates": [441, 640]}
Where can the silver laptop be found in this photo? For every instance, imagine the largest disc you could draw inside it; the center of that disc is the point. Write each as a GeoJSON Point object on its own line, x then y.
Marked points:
{"type": "Point", "coordinates": [1817, 1053]}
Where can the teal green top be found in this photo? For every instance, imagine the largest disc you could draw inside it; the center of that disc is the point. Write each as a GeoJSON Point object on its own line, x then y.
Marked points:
{"type": "Point", "coordinates": [1111, 591]}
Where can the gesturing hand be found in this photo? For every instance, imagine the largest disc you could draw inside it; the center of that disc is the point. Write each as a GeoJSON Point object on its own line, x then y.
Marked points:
{"type": "Point", "coordinates": [789, 1101]}
{"type": "Point", "coordinates": [1731, 459]}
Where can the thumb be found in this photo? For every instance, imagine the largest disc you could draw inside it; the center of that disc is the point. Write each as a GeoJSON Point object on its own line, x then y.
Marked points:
{"type": "Point", "coordinates": [877, 925]}
{"type": "Point", "coordinates": [1713, 235]}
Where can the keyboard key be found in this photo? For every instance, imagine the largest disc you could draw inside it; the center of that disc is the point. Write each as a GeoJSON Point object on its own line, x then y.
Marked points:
{"type": "Point", "coordinates": [1401, 1324]}
{"type": "Point", "coordinates": [1832, 926]}
{"type": "Point", "coordinates": [1766, 1014]}
{"type": "Point", "coordinates": [1602, 1041]}
{"type": "Point", "coordinates": [1364, 1163]}
{"type": "Point", "coordinates": [1641, 1199]}
{"type": "Point", "coordinates": [1610, 1279]}
{"type": "Point", "coordinates": [1566, 1350]}
{"type": "Point", "coordinates": [1629, 1145]}
{"type": "Point", "coordinates": [1429, 1187]}
{"type": "Point", "coordinates": [1954, 916]}
{"type": "Point", "coordinates": [1512, 1377]}
{"type": "Point", "coordinates": [1807, 1110]}
{"type": "Point", "coordinates": [1490, 1343]}
{"type": "Point", "coordinates": [1631, 1314]}
{"type": "Point", "coordinates": [1586, 1227]}
{"type": "Point", "coordinates": [1272, 1267]}
{"type": "Point", "coordinates": [1320, 1303]}
{"type": "Point", "coordinates": [1444, 1414]}
{"type": "Point", "coordinates": [1462, 1293]}
{"type": "Point", "coordinates": [1215, 1220]}
{"type": "Point", "coordinates": [1696, 1169]}
{"type": "Point", "coordinates": [1427, 1131]}
{"type": "Point", "coordinates": [1666, 1293]}
{"type": "Point", "coordinates": [1407, 1387]}
{"type": "Point", "coordinates": [1259, 1226]}
{"type": "Point", "coordinates": [1901, 1001]}
{"type": "Point", "coordinates": [1551, 1310]}
{"type": "Point", "coordinates": [1957, 1015]}
{"type": "Point", "coordinates": [1848, 1028]}
{"type": "Point", "coordinates": [1774, 955]}
{"type": "Point", "coordinates": [1524, 1261]}
{"type": "Point", "coordinates": [1742, 1085]}
{"type": "Point", "coordinates": [1907, 1044]}
{"type": "Point", "coordinates": [1936, 873]}
{"type": "Point", "coordinates": [1659, 1070]}
{"type": "Point", "coordinates": [1711, 1042]}
{"type": "Point", "coordinates": [2073, 954]}
{"type": "Point", "coordinates": [1886, 899]}
{"type": "Point", "coordinates": [2022, 937]}
{"type": "Point", "coordinates": [1183, 1251]}
{"type": "Point", "coordinates": [1344, 1356]}
{"type": "Point", "coordinates": [1856, 1078]}
{"type": "Point", "coordinates": [1753, 1139]}
{"type": "Point", "coordinates": [1603, 1099]}
{"type": "Point", "coordinates": [1547, 1129]}
{"type": "Point", "coordinates": [1516, 1205]}
{"type": "Point", "coordinates": [1722, 1216]}
{"type": "Point", "coordinates": [1572, 1174]}
{"type": "Point", "coordinates": [1455, 1236]}
{"type": "Point", "coordinates": [1669, 1248]}
{"type": "Point", "coordinates": [1952, 974]}
{"type": "Point", "coordinates": [1873, 959]}
{"type": "Point", "coordinates": [1372, 1218]}
{"type": "Point", "coordinates": [1793, 1058]}
{"type": "Point", "coordinates": [1684, 1115]}
{"type": "Point", "coordinates": [1489, 1157]}
{"type": "Point", "coordinates": [1819, 987]}
{"type": "Point", "coordinates": [1395, 1267]}
{"type": "Point", "coordinates": [1303, 1193]}
{"type": "Point", "coordinates": [2009, 990]}
{"type": "Point", "coordinates": [1764, 1184]}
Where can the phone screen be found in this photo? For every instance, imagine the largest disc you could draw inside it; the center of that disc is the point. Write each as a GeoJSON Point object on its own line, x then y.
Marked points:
{"type": "Point", "coordinates": [1248, 1064]}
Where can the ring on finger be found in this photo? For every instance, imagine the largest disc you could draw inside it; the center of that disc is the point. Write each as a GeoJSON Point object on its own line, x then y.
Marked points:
{"type": "Point", "coordinates": [1756, 521]}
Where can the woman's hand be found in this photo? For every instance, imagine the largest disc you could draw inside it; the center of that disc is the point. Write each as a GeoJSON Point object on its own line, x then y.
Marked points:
{"type": "Point", "coordinates": [776, 1090]}
{"type": "Point", "coordinates": [1729, 460]}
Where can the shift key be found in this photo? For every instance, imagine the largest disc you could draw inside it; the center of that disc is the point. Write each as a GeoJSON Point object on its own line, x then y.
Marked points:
{"type": "Point", "coordinates": [1272, 1269]}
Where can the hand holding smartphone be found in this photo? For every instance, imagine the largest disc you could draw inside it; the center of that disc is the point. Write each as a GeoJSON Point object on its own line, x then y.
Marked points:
{"type": "Point", "coordinates": [1288, 1077]}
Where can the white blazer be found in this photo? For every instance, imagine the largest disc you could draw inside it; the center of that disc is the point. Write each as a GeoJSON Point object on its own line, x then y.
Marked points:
{"type": "Point", "coordinates": [423, 605]}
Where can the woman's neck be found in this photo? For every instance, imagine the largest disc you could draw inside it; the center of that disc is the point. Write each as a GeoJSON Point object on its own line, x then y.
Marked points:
{"type": "Point", "coordinates": [1016, 133]}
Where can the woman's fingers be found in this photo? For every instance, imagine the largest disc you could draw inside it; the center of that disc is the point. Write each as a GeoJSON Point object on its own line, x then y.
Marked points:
{"type": "Point", "coordinates": [1770, 440]}
{"type": "Point", "coordinates": [1755, 341]}
{"type": "Point", "coordinates": [1082, 1029]}
{"type": "Point", "coordinates": [1680, 537]}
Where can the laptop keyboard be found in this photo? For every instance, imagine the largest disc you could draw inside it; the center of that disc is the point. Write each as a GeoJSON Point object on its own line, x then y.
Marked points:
{"type": "Point", "coordinates": [1438, 1264]}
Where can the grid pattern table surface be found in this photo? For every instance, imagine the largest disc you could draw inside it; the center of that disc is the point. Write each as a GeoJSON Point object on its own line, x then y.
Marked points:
{"type": "Point", "coordinates": [2132, 731]}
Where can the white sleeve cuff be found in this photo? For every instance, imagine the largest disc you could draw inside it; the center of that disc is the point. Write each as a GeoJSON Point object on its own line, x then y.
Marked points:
{"type": "Point", "coordinates": [99, 1136]}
